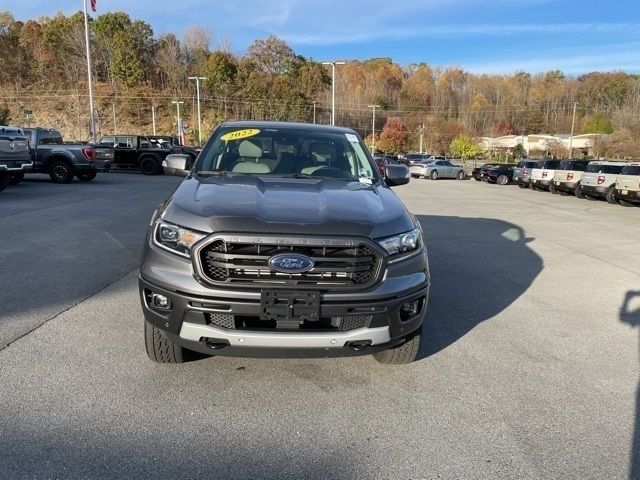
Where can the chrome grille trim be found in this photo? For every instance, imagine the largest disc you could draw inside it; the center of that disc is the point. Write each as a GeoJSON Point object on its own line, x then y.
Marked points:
{"type": "Point", "coordinates": [242, 260]}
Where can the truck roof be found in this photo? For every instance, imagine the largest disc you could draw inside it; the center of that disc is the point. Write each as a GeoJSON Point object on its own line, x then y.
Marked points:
{"type": "Point", "coordinates": [299, 126]}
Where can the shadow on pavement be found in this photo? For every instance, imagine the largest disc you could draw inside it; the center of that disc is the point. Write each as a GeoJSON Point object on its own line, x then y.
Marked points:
{"type": "Point", "coordinates": [630, 314]}
{"type": "Point", "coordinates": [479, 266]}
{"type": "Point", "coordinates": [243, 454]}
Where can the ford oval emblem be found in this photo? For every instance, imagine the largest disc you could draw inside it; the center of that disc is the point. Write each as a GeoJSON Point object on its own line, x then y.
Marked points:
{"type": "Point", "coordinates": [290, 263]}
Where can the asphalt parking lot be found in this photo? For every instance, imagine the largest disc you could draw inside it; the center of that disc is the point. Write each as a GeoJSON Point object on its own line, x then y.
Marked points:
{"type": "Point", "coordinates": [529, 369]}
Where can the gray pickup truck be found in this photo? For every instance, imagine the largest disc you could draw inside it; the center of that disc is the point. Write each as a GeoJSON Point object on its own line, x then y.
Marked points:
{"type": "Point", "coordinates": [284, 240]}
{"type": "Point", "coordinates": [14, 156]}
{"type": "Point", "coordinates": [63, 161]}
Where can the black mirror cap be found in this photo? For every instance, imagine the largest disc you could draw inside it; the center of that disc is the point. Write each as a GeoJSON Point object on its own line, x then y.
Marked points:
{"type": "Point", "coordinates": [176, 164]}
{"type": "Point", "coordinates": [397, 175]}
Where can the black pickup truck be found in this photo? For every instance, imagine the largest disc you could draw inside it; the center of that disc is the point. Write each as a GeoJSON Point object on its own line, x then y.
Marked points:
{"type": "Point", "coordinates": [63, 161]}
{"type": "Point", "coordinates": [14, 156]}
{"type": "Point", "coordinates": [144, 152]}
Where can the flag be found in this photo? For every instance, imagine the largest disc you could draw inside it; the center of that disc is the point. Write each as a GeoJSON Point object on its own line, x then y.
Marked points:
{"type": "Point", "coordinates": [93, 5]}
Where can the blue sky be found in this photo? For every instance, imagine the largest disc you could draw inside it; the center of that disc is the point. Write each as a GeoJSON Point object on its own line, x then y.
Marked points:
{"type": "Point", "coordinates": [492, 36]}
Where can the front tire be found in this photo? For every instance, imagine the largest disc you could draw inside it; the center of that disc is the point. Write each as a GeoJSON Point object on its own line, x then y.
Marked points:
{"type": "Point", "coordinates": [578, 192]}
{"type": "Point", "coordinates": [16, 178]}
{"type": "Point", "coordinates": [461, 175]}
{"type": "Point", "coordinates": [611, 196]}
{"type": "Point", "coordinates": [402, 354]}
{"type": "Point", "coordinates": [159, 348]}
{"type": "Point", "coordinates": [86, 176]}
{"type": "Point", "coordinates": [552, 188]}
{"type": "Point", "coordinates": [503, 180]}
{"type": "Point", "coordinates": [434, 175]}
{"type": "Point", "coordinates": [61, 172]}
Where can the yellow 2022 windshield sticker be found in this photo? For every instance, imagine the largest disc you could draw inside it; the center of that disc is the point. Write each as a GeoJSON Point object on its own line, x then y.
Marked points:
{"type": "Point", "coordinates": [240, 134]}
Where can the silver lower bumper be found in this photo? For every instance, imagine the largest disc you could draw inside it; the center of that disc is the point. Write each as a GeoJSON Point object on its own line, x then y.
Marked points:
{"type": "Point", "coordinates": [24, 168]}
{"type": "Point", "coordinates": [194, 332]}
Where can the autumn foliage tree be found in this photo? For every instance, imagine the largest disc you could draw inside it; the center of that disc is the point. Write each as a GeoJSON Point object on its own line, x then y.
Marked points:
{"type": "Point", "coordinates": [464, 147]}
{"type": "Point", "coordinates": [43, 64]}
{"type": "Point", "coordinates": [393, 138]}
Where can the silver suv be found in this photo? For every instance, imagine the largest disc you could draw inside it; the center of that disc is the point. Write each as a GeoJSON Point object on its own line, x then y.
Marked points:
{"type": "Point", "coordinates": [599, 180]}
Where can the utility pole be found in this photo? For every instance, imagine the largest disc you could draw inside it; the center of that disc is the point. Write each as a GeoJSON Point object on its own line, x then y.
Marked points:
{"type": "Point", "coordinates": [373, 129]}
{"type": "Point", "coordinates": [314, 111]}
{"type": "Point", "coordinates": [153, 118]}
{"type": "Point", "coordinates": [89, 80]}
{"type": "Point", "coordinates": [421, 136]}
{"type": "Point", "coordinates": [333, 89]}
{"type": "Point", "coordinates": [573, 124]}
{"type": "Point", "coordinates": [179, 127]}
{"type": "Point", "coordinates": [197, 79]}
{"type": "Point", "coordinates": [113, 110]}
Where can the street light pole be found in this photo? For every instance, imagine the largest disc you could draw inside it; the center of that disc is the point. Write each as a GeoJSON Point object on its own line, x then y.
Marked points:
{"type": "Point", "coordinates": [333, 89]}
{"type": "Point", "coordinates": [373, 129]}
{"type": "Point", "coordinates": [89, 79]}
{"type": "Point", "coordinates": [314, 111]}
{"type": "Point", "coordinates": [178, 103]}
{"type": "Point", "coordinates": [573, 124]}
{"type": "Point", "coordinates": [197, 79]}
{"type": "Point", "coordinates": [153, 118]}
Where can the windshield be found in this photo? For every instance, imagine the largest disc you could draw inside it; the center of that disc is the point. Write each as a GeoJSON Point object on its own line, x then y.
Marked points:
{"type": "Point", "coordinates": [286, 151]}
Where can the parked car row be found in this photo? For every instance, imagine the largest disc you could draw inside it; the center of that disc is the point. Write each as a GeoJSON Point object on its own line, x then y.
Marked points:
{"type": "Point", "coordinates": [43, 150]}
{"type": "Point", "coordinates": [615, 182]}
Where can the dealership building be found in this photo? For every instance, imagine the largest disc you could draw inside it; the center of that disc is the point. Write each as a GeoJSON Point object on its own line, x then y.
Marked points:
{"type": "Point", "coordinates": [543, 143]}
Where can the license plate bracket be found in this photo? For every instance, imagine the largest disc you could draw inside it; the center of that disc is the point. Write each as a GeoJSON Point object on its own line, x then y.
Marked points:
{"type": "Point", "coordinates": [289, 308]}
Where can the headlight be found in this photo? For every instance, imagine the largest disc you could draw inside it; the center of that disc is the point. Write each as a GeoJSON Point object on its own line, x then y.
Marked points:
{"type": "Point", "coordinates": [175, 239]}
{"type": "Point", "coordinates": [403, 243]}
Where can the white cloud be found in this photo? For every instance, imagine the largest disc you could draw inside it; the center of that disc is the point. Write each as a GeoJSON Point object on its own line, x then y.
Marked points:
{"type": "Point", "coordinates": [456, 30]}
{"type": "Point", "coordinates": [619, 56]}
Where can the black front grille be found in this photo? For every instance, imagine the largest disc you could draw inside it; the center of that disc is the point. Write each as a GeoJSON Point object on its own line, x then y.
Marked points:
{"type": "Point", "coordinates": [354, 322]}
{"type": "Point", "coordinates": [347, 264]}
{"type": "Point", "coordinates": [240, 322]}
{"type": "Point", "coordinates": [224, 320]}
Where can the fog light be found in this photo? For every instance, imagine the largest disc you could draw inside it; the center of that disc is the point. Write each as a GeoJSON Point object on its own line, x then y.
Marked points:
{"type": "Point", "coordinates": [410, 308]}
{"type": "Point", "coordinates": [160, 302]}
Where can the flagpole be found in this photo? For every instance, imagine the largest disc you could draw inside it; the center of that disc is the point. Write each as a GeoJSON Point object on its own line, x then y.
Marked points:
{"type": "Point", "coordinates": [86, 38]}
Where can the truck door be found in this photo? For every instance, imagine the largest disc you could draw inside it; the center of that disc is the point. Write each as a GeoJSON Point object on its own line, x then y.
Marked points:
{"type": "Point", "coordinates": [125, 153]}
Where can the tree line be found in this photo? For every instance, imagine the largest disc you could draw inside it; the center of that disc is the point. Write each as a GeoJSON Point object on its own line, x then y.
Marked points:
{"type": "Point", "coordinates": [43, 69]}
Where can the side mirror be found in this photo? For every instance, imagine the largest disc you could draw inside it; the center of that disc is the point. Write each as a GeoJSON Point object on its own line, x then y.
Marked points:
{"type": "Point", "coordinates": [176, 164]}
{"type": "Point", "coordinates": [398, 175]}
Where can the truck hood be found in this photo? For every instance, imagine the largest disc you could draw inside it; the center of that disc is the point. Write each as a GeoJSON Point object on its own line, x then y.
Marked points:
{"type": "Point", "coordinates": [246, 204]}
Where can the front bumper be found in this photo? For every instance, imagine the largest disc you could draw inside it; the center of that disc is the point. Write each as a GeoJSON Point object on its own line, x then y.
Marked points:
{"type": "Point", "coordinates": [186, 323]}
{"type": "Point", "coordinates": [595, 191]}
{"type": "Point", "coordinates": [632, 196]}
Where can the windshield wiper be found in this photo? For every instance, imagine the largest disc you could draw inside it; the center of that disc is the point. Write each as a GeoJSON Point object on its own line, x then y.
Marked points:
{"type": "Point", "coordinates": [296, 175]}
{"type": "Point", "coordinates": [214, 173]}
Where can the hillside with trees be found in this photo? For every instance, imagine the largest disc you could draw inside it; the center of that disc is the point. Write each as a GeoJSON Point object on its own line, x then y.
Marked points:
{"type": "Point", "coordinates": [43, 70]}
